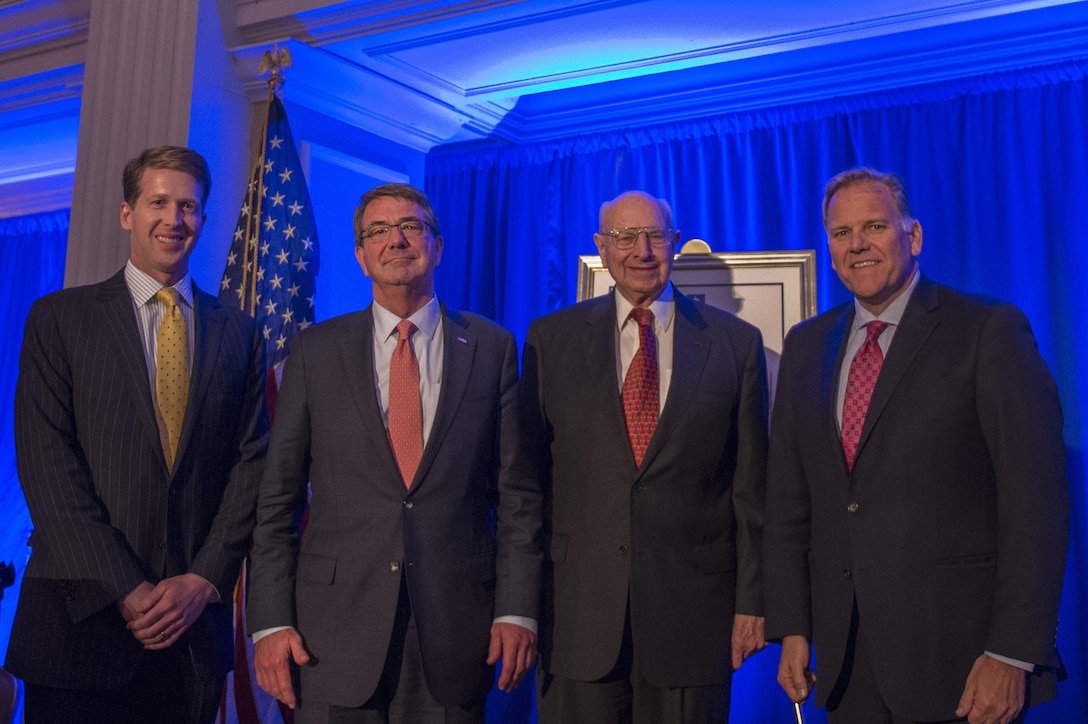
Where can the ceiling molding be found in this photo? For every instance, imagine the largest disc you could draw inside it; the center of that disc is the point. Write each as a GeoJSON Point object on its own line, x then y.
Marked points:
{"type": "Point", "coordinates": [34, 196]}
{"type": "Point", "coordinates": [804, 83]}
{"type": "Point", "coordinates": [329, 85]}
{"type": "Point", "coordinates": [41, 91]}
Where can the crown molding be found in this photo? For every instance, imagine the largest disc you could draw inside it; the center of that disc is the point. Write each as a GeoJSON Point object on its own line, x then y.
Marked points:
{"type": "Point", "coordinates": [35, 195]}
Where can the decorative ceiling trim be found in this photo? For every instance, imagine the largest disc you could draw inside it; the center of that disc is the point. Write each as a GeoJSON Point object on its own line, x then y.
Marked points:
{"type": "Point", "coordinates": [327, 84]}
{"type": "Point", "coordinates": [734, 95]}
{"type": "Point", "coordinates": [41, 90]}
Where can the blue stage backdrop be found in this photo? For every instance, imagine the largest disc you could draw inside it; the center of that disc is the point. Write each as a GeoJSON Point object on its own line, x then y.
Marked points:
{"type": "Point", "coordinates": [32, 252]}
{"type": "Point", "coordinates": [997, 166]}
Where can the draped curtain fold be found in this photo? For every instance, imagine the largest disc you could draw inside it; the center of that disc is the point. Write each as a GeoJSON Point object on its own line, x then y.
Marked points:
{"type": "Point", "coordinates": [997, 167]}
{"type": "Point", "coordinates": [32, 250]}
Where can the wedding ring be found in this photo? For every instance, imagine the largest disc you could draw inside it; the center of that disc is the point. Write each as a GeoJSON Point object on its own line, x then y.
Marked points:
{"type": "Point", "coordinates": [162, 635]}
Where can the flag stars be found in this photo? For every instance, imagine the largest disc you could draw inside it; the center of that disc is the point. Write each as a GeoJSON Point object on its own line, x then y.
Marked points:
{"type": "Point", "coordinates": [296, 208]}
{"type": "Point", "coordinates": [293, 290]}
{"type": "Point", "coordinates": [280, 342]}
{"type": "Point", "coordinates": [288, 316]}
{"type": "Point", "coordinates": [225, 284]}
{"type": "Point", "coordinates": [276, 281]}
{"type": "Point", "coordinates": [286, 175]}
{"type": "Point", "coordinates": [307, 243]}
{"type": "Point", "coordinates": [267, 332]}
{"type": "Point", "coordinates": [270, 308]}
{"type": "Point", "coordinates": [232, 258]}
{"type": "Point", "coordinates": [301, 265]}
{"type": "Point", "coordinates": [264, 248]}
{"type": "Point", "coordinates": [289, 232]}
{"type": "Point", "coordinates": [277, 200]}
{"type": "Point", "coordinates": [275, 142]}
{"type": "Point", "coordinates": [268, 165]}
{"type": "Point", "coordinates": [283, 257]}
{"type": "Point", "coordinates": [239, 233]}
{"type": "Point", "coordinates": [269, 224]}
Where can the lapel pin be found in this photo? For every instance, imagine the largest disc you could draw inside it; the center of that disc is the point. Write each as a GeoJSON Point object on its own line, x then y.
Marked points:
{"type": "Point", "coordinates": [462, 340]}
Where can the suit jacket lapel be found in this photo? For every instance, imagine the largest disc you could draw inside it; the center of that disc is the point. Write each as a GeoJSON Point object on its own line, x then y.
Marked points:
{"type": "Point", "coordinates": [831, 361]}
{"type": "Point", "coordinates": [459, 351]}
{"type": "Point", "coordinates": [691, 348]}
{"type": "Point", "coordinates": [914, 329]}
{"type": "Point", "coordinates": [123, 335]}
{"type": "Point", "coordinates": [208, 317]}
{"type": "Point", "coordinates": [599, 347]}
{"type": "Point", "coordinates": [357, 361]}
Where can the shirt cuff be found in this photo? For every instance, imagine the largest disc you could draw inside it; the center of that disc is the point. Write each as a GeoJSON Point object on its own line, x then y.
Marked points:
{"type": "Point", "coordinates": [523, 621]}
{"type": "Point", "coordinates": [258, 635]}
{"type": "Point", "coordinates": [1012, 662]}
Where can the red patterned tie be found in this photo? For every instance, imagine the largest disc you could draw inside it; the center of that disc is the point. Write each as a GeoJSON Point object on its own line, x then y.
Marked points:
{"type": "Point", "coordinates": [405, 407]}
{"type": "Point", "coordinates": [864, 370]}
{"type": "Point", "coordinates": [640, 399]}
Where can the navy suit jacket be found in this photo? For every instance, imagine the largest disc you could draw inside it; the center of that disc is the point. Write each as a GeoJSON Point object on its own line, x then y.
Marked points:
{"type": "Point", "coordinates": [951, 531]}
{"type": "Point", "coordinates": [107, 512]}
{"type": "Point", "coordinates": [679, 535]}
{"type": "Point", "coordinates": [462, 536]}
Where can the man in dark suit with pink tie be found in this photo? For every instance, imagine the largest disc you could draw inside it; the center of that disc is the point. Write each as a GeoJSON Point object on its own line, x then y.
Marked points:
{"type": "Point", "coordinates": [140, 431]}
{"type": "Point", "coordinates": [918, 506]}
{"type": "Point", "coordinates": [418, 568]}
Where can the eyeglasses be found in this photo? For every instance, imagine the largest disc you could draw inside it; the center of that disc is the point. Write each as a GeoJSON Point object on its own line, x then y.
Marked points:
{"type": "Point", "coordinates": [626, 237]}
{"type": "Point", "coordinates": [409, 229]}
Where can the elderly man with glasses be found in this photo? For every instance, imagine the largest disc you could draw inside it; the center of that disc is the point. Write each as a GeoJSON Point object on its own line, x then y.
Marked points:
{"type": "Point", "coordinates": [645, 415]}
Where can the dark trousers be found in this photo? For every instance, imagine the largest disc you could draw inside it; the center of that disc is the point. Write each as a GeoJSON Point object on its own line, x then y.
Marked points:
{"type": "Point", "coordinates": [164, 690]}
{"type": "Point", "coordinates": [402, 696]}
{"type": "Point", "coordinates": [626, 697]}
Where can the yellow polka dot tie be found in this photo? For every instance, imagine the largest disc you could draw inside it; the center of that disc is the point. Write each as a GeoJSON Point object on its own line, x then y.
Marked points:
{"type": "Point", "coordinates": [171, 373]}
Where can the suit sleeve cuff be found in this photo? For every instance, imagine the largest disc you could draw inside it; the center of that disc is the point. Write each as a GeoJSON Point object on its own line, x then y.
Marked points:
{"type": "Point", "coordinates": [523, 621]}
{"type": "Point", "coordinates": [1012, 662]}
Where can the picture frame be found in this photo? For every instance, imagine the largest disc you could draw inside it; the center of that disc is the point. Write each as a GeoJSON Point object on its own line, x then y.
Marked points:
{"type": "Point", "coordinates": [773, 290]}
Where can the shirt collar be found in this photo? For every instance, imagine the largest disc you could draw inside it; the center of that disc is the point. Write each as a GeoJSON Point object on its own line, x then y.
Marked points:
{"type": "Point", "coordinates": [893, 313]}
{"type": "Point", "coordinates": [143, 288]}
{"type": "Point", "coordinates": [663, 308]}
{"type": "Point", "coordinates": [426, 319]}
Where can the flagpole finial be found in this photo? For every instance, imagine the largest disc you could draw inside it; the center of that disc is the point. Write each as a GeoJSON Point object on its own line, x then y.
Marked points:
{"type": "Point", "coordinates": [275, 60]}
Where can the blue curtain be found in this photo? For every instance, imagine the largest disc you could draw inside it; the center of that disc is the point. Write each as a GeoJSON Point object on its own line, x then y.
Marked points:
{"type": "Point", "coordinates": [997, 166]}
{"type": "Point", "coordinates": [32, 250]}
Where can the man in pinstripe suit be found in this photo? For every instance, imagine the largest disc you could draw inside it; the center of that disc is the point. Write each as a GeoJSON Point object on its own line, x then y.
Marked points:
{"type": "Point", "coordinates": [124, 613]}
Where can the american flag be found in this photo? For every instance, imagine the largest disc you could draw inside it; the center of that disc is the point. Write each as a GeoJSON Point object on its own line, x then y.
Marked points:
{"type": "Point", "coordinates": [273, 259]}
{"type": "Point", "coordinates": [270, 274]}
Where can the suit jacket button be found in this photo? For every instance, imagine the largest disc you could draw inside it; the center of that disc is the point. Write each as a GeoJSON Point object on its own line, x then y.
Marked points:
{"type": "Point", "coordinates": [852, 508]}
{"type": "Point", "coordinates": [624, 549]}
{"type": "Point", "coordinates": [408, 504]}
{"type": "Point", "coordinates": [394, 566]}
{"type": "Point", "coordinates": [846, 574]}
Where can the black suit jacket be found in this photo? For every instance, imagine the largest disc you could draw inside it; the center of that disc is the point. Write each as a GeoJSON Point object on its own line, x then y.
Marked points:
{"type": "Point", "coordinates": [951, 531]}
{"type": "Point", "coordinates": [462, 536]}
{"type": "Point", "coordinates": [679, 535]}
{"type": "Point", "coordinates": [107, 512]}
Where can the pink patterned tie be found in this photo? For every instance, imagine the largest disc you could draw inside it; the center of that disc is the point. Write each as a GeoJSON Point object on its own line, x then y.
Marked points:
{"type": "Point", "coordinates": [405, 407]}
{"type": "Point", "coordinates": [864, 369]}
{"type": "Point", "coordinates": [640, 397]}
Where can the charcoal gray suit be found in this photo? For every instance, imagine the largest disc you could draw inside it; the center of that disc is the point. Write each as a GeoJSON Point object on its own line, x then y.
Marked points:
{"type": "Point", "coordinates": [460, 539]}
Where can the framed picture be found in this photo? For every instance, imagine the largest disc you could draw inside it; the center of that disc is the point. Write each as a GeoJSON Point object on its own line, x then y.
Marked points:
{"type": "Point", "coordinates": [773, 290]}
